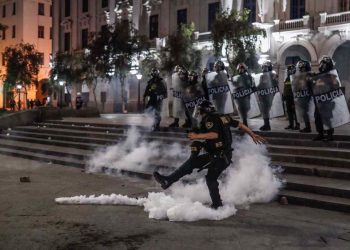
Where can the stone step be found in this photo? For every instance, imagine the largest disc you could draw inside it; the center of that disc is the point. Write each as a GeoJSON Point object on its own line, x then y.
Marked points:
{"type": "Point", "coordinates": [82, 136]}
{"type": "Point", "coordinates": [320, 147]}
{"type": "Point", "coordinates": [290, 157]}
{"type": "Point", "coordinates": [50, 159]}
{"type": "Point", "coordinates": [313, 160]}
{"type": "Point", "coordinates": [308, 143]}
{"type": "Point", "coordinates": [273, 134]}
{"type": "Point", "coordinates": [314, 170]}
{"type": "Point", "coordinates": [318, 185]}
{"type": "Point", "coordinates": [65, 152]}
{"type": "Point", "coordinates": [59, 137]}
{"type": "Point", "coordinates": [45, 142]}
{"type": "Point", "coordinates": [115, 129]}
{"type": "Point", "coordinates": [313, 151]}
{"type": "Point", "coordinates": [317, 201]}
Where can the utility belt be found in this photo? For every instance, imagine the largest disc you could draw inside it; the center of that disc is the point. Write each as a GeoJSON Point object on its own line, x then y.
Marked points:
{"type": "Point", "coordinates": [219, 155]}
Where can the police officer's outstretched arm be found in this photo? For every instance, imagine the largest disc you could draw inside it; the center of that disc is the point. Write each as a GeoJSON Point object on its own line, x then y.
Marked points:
{"type": "Point", "coordinates": [211, 130]}
{"type": "Point", "coordinates": [256, 138]}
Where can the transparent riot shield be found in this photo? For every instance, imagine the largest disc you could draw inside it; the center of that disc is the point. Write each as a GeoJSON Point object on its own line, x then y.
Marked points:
{"type": "Point", "coordinates": [268, 95]}
{"type": "Point", "coordinates": [219, 92]}
{"type": "Point", "coordinates": [303, 100]}
{"type": "Point", "coordinates": [242, 94]}
{"type": "Point", "coordinates": [330, 100]}
{"type": "Point", "coordinates": [178, 89]}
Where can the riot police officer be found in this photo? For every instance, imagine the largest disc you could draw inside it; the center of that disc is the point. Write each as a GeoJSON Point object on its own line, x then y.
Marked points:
{"type": "Point", "coordinates": [244, 86]}
{"type": "Point", "coordinates": [156, 92]}
{"type": "Point", "coordinates": [78, 101]}
{"type": "Point", "coordinates": [302, 93]}
{"type": "Point", "coordinates": [325, 66]}
{"type": "Point", "coordinates": [193, 95]}
{"type": "Point", "coordinates": [216, 133]}
{"type": "Point", "coordinates": [289, 99]}
{"type": "Point", "coordinates": [180, 82]}
{"type": "Point", "coordinates": [266, 90]}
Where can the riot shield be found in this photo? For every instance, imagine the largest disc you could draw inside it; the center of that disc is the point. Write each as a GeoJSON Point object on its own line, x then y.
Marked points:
{"type": "Point", "coordinates": [304, 104]}
{"type": "Point", "coordinates": [178, 89]}
{"type": "Point", "coordinates": [330, 100]}
{"type": "Point", "coordinates": [242, 95]}
{"type": "Point", "coordinates": [193, 95]}
{"type": "Point", "coordinates": [219, 92]}
{"type": "Point", "coordinates": [268, 95]}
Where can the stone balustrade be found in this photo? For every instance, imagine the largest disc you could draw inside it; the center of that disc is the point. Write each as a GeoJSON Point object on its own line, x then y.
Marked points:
{"type": "Point", "coordinates": [334, 19]}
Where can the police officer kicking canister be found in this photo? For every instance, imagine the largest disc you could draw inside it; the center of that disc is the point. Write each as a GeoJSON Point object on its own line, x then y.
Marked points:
{"type": "Point", "coordinates": [217, 139]}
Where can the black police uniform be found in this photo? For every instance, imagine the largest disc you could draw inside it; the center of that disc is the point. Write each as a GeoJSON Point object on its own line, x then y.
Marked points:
{"type": "Point", "coordinates": [217, 157]}
{"type": "Point", "coordinates": [157, 92]}
{"type": "Point", "coordinates": [289, 99]}
{"type": "Point", "coordinates": [78, 102]}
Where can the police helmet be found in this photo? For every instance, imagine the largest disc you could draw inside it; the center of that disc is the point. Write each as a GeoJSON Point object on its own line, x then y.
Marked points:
{"type": "Point", "coordinates": [326, 64]}
{"type": "Point", "coordinates": [242, 68]}
{"type": "Point", "coordinates": [155, 72]}
{"type": "Point", "coordinates": [291, 69]}
{"type": "Point", "coordinates": [219, 66]}
{"type": "Point", "coordinates": [177, 68]}
{"type": "Point", "coordinates": [206, 107]}
{"type": "Point", "coordinates": [266, 66]}
{"type": "Point", "coordinates": [193, 77]}
{"type": "Point", "coordinates": [183, 73]}
{"type": "Point", "coordinates": [304, 66]}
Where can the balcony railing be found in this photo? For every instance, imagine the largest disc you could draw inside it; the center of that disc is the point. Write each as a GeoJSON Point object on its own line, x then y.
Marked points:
{"type": "Point", "coordinates": [334, 19]}
{"type": "Point", "coordinates": [293, 24]}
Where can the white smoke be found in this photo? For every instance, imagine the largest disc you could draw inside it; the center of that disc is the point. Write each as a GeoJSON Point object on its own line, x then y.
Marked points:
{"type": "Point", "coordinates": [248, 180]}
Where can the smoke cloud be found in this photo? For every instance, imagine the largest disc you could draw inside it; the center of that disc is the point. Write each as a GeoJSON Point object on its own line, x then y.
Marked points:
{"type": "Point", "coordinates": [249, 179]}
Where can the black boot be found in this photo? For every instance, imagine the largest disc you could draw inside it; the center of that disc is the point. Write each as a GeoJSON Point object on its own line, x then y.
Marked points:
{"type": "Point", "coordinates": [162, 180]}
{"type": "Point", "coordinates": [216, 205]}
{"type": "Point", "coordinates": [307, 128]}
{"type": "Point", "coordinates": [329, 136]}
{"type": "Point", "coordinates": [297, 126]}
{"type": "Point", "coordinates": [266, 126]}
{"type": "Point", "coordinates": [289, 127]}
{"type": "Point", "coordinates": [175, 124]}
{"type": "Point", "coordinates": [319, 137]}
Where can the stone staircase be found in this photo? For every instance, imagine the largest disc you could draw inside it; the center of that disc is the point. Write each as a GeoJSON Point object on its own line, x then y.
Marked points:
{"type": "Point", "coordinates": [317, 173]}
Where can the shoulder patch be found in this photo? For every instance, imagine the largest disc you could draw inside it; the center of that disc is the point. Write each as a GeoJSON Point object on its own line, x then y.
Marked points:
{"type": "Point", "coordinates": [224, 119]}
{"type": "Point", "coordinates": [209, 125]}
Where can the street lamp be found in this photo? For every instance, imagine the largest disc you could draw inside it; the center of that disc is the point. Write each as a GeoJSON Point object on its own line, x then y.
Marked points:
{"type": "Point", "coordinates": [139, 77]}
{"type": "Point", "coordinates": [19, 87]}
{"type": "Point", "coordinates": [61, 83]}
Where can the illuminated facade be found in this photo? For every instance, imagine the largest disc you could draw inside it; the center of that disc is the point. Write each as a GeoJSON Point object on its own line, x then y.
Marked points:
{"type": "Point", "coordinates": [27, 22]}
{"type": "Point", "coordinates": [306, 29]}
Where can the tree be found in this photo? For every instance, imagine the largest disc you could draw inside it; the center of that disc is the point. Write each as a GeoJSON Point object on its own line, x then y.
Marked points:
{"type": "Point", "coordinates": [23, 63]}
{"type": "Point", "coordinates": [125, 47]}
{"type": "Point", "coordinates": [180, 50]}
{"type": "Point", "coordinates": [233, 32]}
{"type": "Point", "coordinates": [66, 67]}
{"type": "Point", "coordinates": [97, 61]}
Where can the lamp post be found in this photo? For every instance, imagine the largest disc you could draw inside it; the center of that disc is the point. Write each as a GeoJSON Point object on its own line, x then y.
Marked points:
{"type": "Point", "coordinates": [19, 87]}
{"type": "Point", "coordinates": [139, 77]}
{"type": "Point", "coordinates": [61, 83]}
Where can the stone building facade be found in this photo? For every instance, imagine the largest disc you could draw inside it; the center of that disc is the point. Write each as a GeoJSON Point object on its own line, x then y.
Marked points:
{"type": "Point", "coordinates": [296, 29]}
{"type": "Point", "coordinates": [27, 21]}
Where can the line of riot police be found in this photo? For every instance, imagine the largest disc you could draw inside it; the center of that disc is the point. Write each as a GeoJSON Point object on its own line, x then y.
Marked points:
{"type": "Point", "coordinates": [308, 96]}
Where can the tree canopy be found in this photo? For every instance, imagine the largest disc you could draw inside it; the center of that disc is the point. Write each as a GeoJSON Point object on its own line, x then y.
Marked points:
{"type": "Point", "coordinates": [23, 63]}
{"type": "Point", "coordinates": [180, 50]}
{"type": "Point", "coordinates": [233, 32]}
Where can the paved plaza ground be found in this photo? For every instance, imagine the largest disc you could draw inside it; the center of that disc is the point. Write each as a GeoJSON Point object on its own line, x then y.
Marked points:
{"type": "Point", "coordinates": [30, 219]}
